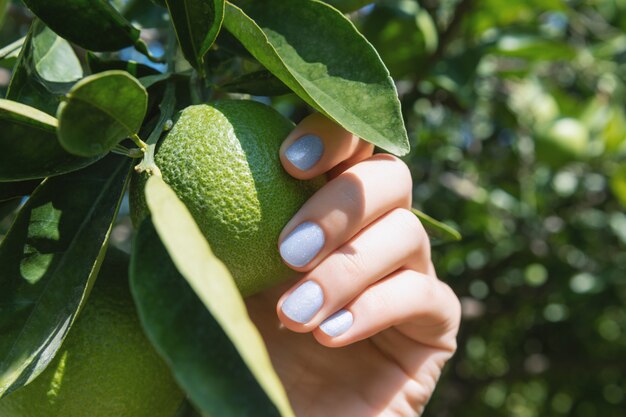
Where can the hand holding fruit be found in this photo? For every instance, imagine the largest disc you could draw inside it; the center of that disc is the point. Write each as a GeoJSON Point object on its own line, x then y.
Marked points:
{"type": "Point", "coordinates": [368, 286]}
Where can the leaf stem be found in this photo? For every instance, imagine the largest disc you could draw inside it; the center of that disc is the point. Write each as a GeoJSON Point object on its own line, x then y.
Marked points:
{"type": "Point", "coordinates": [131, 153]}
{"type": "Point", "coordinates": [140, 143]}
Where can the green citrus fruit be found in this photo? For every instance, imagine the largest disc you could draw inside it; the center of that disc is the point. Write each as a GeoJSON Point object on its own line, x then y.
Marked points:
{"type": "Point", "coordinates": [106, 367]}
{"type": "Point", "coordinates": [222, 161]}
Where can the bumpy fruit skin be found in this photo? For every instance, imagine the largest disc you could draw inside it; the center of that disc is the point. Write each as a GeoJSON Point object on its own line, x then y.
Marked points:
{"type": "Point", "coordinates": [222, 161]}
{"type": "Point", "coordinates": [106, 366]}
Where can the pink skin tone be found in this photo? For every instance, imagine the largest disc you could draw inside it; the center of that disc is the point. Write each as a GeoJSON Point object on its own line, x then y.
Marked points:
{"type": "Point", "coordinates": [376, 264]}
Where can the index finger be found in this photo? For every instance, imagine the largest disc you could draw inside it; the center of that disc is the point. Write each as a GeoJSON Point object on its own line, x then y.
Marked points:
{"type": "Point", "coordinates": [318, 146]}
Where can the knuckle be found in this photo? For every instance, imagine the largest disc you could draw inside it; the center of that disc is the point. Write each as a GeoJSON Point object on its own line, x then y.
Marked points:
{"type": "Point", "coordinates": [397, 170]}
{"type": "Point", "coordinates": [410, 225]}
{"type": "Point", "coordinates": [352, 263]}
{"type": "Point", "coordinates": [453, 306]}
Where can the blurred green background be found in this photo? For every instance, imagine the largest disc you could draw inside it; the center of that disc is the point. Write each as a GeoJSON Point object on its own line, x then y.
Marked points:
{"type": "Point", "coordinates": [515, 110]}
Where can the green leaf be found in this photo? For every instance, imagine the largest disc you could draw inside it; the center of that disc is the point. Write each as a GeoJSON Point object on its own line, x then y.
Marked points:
{"type": "Point", "coordinates": [97, 64]}
{"type": "Point", "coordinates": [257, 83]}
{"type": "Point", "coordinates": [4, 5]}
{"type": "Point", "coordinates": [394, 32]}
{"type": "Point", "coordinates": [7, 207]}
{"type": "Point", "coordinates": [12, 50]}
{"type": "Point", "coordinates": [187, 410]}
{"type": "Point", "coordinates": [439, 232]}
{"type": "Point", "coordinates": [94, 25]}
{"type": "Point", "coordinates": [100, 111]}
{"type": "Point", "coordinates": [213, 284]}
{"type": "Point", "coordinates": [10, 190]}
{"type": "Point", "coordinates": [49, 259]}
{"type": "Point", "coordinates": [197, 23]}
{"type": "Point", "coordinates": [340, 73]}
{"type": "Point", "coordinates": [46, 69]}
{"type": "Point", "coordinates": [28, 145]}
{"type": "Point", "coordinates": [533, 48]}
{"type": "Point", "coordinates": [204, 361]}
{"type": "Point", "coordinates": [347, 6]}
{"type": "Point", "coordinates": [618, 185]}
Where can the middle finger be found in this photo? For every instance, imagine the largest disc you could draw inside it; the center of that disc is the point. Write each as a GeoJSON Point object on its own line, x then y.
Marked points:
{"type": "Point", "coordinates": [343, 207]}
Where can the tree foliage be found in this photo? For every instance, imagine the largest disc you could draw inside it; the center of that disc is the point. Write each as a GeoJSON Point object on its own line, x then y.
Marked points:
{"type": "Point", "coordinates": [515, 118]}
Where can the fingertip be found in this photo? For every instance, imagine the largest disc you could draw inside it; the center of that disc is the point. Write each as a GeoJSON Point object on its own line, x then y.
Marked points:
{"type": "Point", "coordinates": [329, 341]}
{"type": "Point", "coordinates": [316, 146]}
{"type": "Point", "coordinates": [302, 153]}
{"type": "Point", "coordinates": [335, 330]}
{"type": "Point", "coordinates": [299, 305]}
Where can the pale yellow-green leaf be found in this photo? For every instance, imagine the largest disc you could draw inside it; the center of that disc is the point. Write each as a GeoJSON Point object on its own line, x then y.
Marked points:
{"type": "Point", "coordinates": [196, 262]}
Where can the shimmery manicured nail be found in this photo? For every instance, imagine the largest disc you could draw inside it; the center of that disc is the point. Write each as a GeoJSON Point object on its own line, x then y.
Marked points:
{"type": "Point", "coordinates": [338, 323]}
{"type": "Point", "coordinates": [305, 152]}
{"type": "Point", "coordinates": [301, 245]}
{"type": "Point", "coordinates": [303, 302]}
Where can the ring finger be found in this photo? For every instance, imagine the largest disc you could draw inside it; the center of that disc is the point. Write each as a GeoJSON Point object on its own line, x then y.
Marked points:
{"type": "Point", "coordinates": [396, 240]}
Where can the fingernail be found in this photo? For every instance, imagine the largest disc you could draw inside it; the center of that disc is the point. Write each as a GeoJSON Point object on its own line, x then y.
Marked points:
{"type": "Point", "coordinates": [305, 152]}
{"type": "Point", "coordinates": [301, 245]}
{"type": "Point", "coordinates": [303, 302]}
{"type": "Point", "coordinates": [338, 323]}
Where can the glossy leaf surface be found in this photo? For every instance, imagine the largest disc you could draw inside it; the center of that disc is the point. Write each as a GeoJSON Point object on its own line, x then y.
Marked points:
{"type": "Point", "coordinates": [8, 206]}
{"type": "Point", "coordinates": [438, 232]}
{"type": "Point", "coordinates": [92, 24]}
{"type": "Point", "coordinates": [50, 258]}
{"type": "Point", "coordinates": [100, 111]}
{"type": "Point", "coordinates": [258, 83]}
{"type": "Point", "coordinates": [136, 69]}
{"type": "Point", "coordinates": [46, 69]}
{"type": "Point", "coordinates": [11, 190]}
{"type": "Point", "coordinates": [197, 23]}
{"type": "Point", "coordinates": [340, 74]}
{"type": "Point", "coordinates": [213, 284]}
{"type": "Point", "coordinates": [28, 145]}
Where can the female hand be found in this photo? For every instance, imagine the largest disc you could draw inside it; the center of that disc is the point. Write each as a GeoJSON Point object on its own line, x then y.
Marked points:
{"type": "Point", "coordinates": [368, 287]}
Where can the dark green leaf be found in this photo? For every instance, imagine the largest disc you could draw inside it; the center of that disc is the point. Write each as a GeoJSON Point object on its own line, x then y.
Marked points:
{"type": "Point", "coordinates": [10, 190]}
{"type": "Point", "coordinates": [7, 207]}
{"type": "Point", "coordinates": [47, 67]}
{"type": "Point", "coordinates": [204, 361]}
{"type": "Point", "coordinates": [150, 80]}
{"type": "Point", "coordinates": [340, 74]}
{"type": "Point", "coordinates": [438, 231]}
{"type": "Point", "coordinates": [402, 44]}
{"type": "Point", "coordinates": [94, 25]}
{"type": "Point", "coordinates": [12, 49]}
{"type": "Point", "coordinates": [258, 83]}
{"type": "Point", "coordinates": [187, 410]}
{"type": "Point", "coordinates": [618, 185]}
{"type": "Point", "coordinates": [216, 289]}
{"type": "Point", "coordinates": [97, 64]}
{"type": "Point", "coordinates": [533, 47]}
{"type": "Point", "coordinates": [347, 6]}
{"type": "Point", "coordinates": [197, 23]}
{"type": "Point", "coordinates": [100, 111]}
{"type": "Point", "coordinates": [49, 259]}
{"type": "Point", "coordinates": [28, 145]}
{"type": "Point", "coordinates": [145, 14]}
{"type": "Point", "coordinates": [4, 5]}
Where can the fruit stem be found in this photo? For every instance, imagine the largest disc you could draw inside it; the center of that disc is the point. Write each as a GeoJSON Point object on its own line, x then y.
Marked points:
{"type": "Point", "coordinates": [147, 164]}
